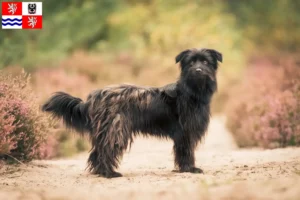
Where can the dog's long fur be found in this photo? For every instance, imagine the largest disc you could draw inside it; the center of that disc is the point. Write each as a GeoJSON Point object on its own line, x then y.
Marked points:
{"type": "Point", "coordinates": [114, 115]}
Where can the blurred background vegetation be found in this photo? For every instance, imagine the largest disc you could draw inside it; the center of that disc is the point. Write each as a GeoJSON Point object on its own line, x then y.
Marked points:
{"type": "Point", "coordinates": [86, 44]}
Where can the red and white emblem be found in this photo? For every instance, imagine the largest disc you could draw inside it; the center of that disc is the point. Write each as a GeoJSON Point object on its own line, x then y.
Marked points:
{"type": "Point", "coordinates": [22, 15]}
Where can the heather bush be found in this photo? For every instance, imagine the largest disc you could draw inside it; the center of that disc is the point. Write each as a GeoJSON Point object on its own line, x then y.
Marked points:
{"type": "Point", "coordinates": [264, 110]}
{"type": "Point", "coordinates": [23, 129]}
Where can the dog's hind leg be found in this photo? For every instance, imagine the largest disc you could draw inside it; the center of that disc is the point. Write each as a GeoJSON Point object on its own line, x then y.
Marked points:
{"type": "Point", "coordinates": [109, 146]}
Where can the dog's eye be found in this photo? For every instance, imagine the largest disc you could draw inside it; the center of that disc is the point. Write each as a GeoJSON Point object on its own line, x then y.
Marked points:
{"type": "Point", "coordinates": [192, 62]}
{"type": "Point", "coordinates": [205, 62]}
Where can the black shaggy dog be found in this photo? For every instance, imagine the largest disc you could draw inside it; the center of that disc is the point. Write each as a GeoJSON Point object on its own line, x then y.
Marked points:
{"type": "Point", "coordinates": [114, 115]}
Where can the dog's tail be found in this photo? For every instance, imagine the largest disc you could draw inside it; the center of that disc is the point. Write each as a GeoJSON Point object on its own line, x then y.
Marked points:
{"type": "Point", "coordinates": [71, 110]}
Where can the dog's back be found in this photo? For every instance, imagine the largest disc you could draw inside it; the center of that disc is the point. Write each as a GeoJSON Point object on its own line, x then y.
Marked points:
{"type": "Point", "coordinates": [144, 109]}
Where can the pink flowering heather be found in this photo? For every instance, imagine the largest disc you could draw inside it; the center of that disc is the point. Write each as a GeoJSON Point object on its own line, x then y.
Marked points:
{"type": "Point", "coordinates": [265, 109]}
{"type": "Point", "coordinates": [23, 129]}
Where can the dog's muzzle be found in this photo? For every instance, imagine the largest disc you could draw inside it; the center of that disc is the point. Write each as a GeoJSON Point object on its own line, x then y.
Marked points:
{"type": "Point", "coordinates": [206, 72]}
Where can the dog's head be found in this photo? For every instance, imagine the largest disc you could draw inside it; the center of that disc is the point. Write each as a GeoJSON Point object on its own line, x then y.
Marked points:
{"type": "Point", "coordinates": [199, 64]}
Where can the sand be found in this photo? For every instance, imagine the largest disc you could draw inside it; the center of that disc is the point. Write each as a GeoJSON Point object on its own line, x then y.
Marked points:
{"type": "Point", "coordinates": [230, 173]}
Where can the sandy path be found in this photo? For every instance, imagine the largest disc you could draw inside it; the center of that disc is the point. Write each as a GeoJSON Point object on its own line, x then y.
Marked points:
{"type": "Point", "coordinates": [229, 174]}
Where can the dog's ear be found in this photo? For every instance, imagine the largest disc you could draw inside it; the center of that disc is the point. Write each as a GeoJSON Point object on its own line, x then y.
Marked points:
{"type": "Point", "coordinates": [217, 55]}
{"type": "Point", "coordinates": [180, 56]}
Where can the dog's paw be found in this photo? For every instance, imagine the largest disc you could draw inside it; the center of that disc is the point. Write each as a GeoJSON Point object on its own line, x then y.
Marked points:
{"type": "Point", "coordinates": [196, 170]}
{"type": "Point", "coordinates": [193, 170]}
{"type": "Point", "coordinates": [111, 175]}
{"type": "Point", "coordinates": [115, 175]}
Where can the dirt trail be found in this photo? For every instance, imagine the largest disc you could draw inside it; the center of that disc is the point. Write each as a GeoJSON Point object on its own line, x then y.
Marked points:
{"type": "Point", "coordinates": [230, 173]}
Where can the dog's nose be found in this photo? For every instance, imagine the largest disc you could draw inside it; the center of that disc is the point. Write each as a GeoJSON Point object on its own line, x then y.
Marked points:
{"type": "Point", "coordinates": [198, 70]}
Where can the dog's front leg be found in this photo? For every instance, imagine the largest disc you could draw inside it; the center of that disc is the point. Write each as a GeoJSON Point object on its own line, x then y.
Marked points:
{"type": "Point", "coordinates": [184, 151]}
